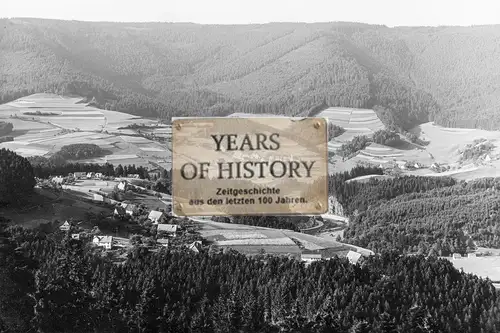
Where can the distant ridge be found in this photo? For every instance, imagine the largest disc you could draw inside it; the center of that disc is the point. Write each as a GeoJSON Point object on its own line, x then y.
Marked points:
{"type": "Point", "coordinates": [408, 76]}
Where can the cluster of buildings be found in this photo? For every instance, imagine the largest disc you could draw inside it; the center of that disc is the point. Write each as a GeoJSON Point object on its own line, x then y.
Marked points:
{"type": "Point", "coordinates": [309, 257]}
{"type": "Point", "coordinates": [165, 230]}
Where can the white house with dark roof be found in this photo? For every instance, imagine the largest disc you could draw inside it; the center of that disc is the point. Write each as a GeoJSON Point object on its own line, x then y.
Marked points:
{"type": "Point", "coordinates": [156, 216]}
{"type": "Point", "coordinates": [65, 226]}
{"type": "Point", "coordinates": [195, 246]}
{"type": "Point", "coordinates": [171, 229]}
{"type": "Point", "coordinates": [103, 241]}
{"type": "Point", "coordinates": [353, 257]}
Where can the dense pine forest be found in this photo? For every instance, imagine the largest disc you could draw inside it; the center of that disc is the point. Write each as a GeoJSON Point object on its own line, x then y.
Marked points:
{"type": "Point", "coordinates": [408, 75]}
{"type": "Point", "coordinates": [427, 215]}
{"type": "Point", "coordinates": [52, 283]}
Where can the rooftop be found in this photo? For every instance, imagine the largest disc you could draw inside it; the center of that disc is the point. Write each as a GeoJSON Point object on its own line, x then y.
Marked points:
{"type": "Point", "coordinates": [103, 239]}
{"type": "Point", "coordinates": [168, 227]}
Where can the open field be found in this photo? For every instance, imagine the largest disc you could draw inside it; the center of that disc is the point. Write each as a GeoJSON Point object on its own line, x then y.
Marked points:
{"type": "Point", "coordinates": [443, 148]}
{"type": "Point", "coordinates": [485, 267]}
{"type": "Point", "coordinates": [250, 239]}
{"type": "Point", "coordinates": [78, 123]}
{"type": "Point", "coordinates": [354, 121]}
{"type": "Point", "coordinates": [365, 179]}
{"type": "Point", "coordinates": [445, 142]}
{"type": "Point", "coordinates": [84, 186]}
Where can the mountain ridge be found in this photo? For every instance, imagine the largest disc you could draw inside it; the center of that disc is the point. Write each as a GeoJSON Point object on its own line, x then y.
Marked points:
{"type": "Point", "coordinates": [409, 75]}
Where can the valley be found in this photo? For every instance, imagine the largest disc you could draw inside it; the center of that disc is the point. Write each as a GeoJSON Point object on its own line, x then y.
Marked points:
{"type": "Point", "coordinates": [88, 242]}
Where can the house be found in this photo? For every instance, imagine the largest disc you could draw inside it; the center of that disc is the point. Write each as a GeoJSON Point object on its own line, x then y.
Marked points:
{"type": "Point", "coordinates": [171, 229]}
{"type": "Point", "coordinates": [156, 216]}
{"type": "Point", "coordinates": [58, 179]}
{"type": "Point", "coordinates": [104, 241]}
{"type": "Point", "coordinates": [119, 211]}
{"type": "Point", "coordinates": [195, 246]}
{"type": "Point", "coordinates": [98, 197]}
{"type": "Point", "coordinates": [471, 255]}
{"type": "Point", "coordinates": [133, 175]}
{"type": "Point", "coordinates": [310, 257]}
{"type": "Point", "coordinates": [456, 256]}
{"type": "Point", "coordinates": [353, 257]}
{"type": "Point", "coordinates": [65, 227]}
{"type": "Point", "coordinates": [98, 175]}
{"type": "Point", "coordinates": [122, 186]}
{"type": "Point", "coordinates": [75, 236]}
{"type": "Point", "coordinates": [80, 175]}
{"type": "Point", "coordinates": [163, 242]}
{"type": "Point", "coordinates": [89, 175]}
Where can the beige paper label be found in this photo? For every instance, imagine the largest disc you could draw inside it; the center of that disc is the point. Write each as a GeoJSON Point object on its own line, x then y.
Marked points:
{"type": "Point", "coordinates": [249, 166]}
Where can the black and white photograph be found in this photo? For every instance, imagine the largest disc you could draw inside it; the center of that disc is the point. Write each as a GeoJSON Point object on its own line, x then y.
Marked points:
{"type": "Point", "coordinates": [237, 166]}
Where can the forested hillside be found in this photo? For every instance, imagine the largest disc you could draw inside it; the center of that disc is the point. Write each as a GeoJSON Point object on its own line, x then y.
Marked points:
{"type": "Point", "coordinates": [53, 283]}
{"type": "Point", "coordinates": [428, 215]}
{"type": "Point", "coordinates": [408, 75]}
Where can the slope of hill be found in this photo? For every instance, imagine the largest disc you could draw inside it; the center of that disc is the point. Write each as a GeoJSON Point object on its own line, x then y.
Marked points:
{"type": "Point", "coordinates": [43, 123]}
{"type": "Point", "coordinates": [407, 75]}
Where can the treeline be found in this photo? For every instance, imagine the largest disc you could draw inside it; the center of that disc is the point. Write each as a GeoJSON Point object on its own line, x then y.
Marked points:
{"type": "Point", "coordinates": [16, 178]}
{"type": "Point", "coordinates": [44, 168]}
{"type": "Point", "coordinates": [476, 149]}
{"type": "Point", "coordinates": [5, 128]}
{"type": "Point", "coordinates": [61, 285]}
{"type": "Point", "coordinates": [348, 149]}
{"type": "Point", "coordinates": [334, 131]}
{"type": "Point", "coordinates": [360, 142]}
{"type": "Point", "coordinates": [79, 151]}
{"type": "Point", "coordinates": [294, 223]}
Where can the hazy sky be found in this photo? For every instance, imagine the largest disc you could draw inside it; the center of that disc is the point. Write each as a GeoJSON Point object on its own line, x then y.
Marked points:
{"type": "Point", "coordinates": [388, 12]}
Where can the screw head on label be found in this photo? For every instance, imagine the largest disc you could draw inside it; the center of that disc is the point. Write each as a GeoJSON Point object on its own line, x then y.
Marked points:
{"type": "Point", "coordinates": [317, 125]}
{"type": "Point", "coordinates": [319, 205]}
{"type": "Point", "coordinates": [178, 126]}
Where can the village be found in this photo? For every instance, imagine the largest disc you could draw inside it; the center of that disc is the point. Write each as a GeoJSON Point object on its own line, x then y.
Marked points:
{"type": "Point", "coordinates": [130, 222]}
{"type": "Point", "coordinates": [138, 216]}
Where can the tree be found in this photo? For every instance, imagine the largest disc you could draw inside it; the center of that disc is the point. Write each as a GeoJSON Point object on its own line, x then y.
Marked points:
{"type": "Point", "coordinates": [119, 171]}
{"type": "Point", "coordinates": [16, 177]}
{"type": "Point", "coordinates": [385, 137]}
{"type": "Point", "coordinates": [360, 327]}
{"type": "Point", "coordinates": [387, 324]}
{"type": "Point", "coordinates": [5, 128]}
